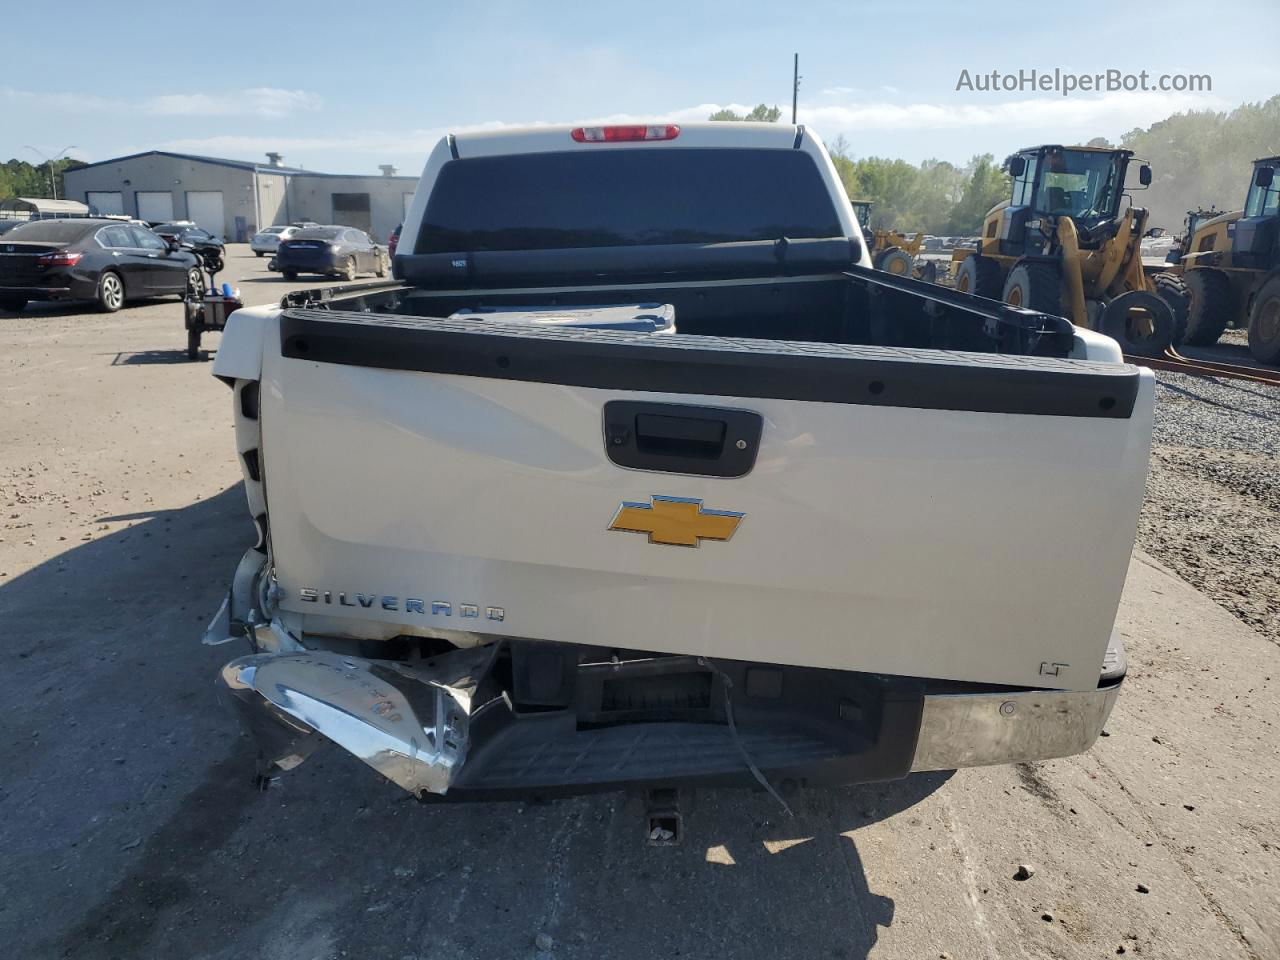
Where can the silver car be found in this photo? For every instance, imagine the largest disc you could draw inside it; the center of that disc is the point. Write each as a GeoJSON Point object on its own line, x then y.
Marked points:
{"type": "Point", "coordinates": [268, 239]}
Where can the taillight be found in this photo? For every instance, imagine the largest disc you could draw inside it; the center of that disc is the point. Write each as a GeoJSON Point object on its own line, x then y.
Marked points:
{"type": "Point", "coordinates": [614, 134]}
{"type": "Point", "coordinates": [59, 259]}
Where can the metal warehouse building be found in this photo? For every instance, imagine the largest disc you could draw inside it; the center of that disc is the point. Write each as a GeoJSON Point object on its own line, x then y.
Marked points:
{"type": "Point", "coordinates": [234, 198]}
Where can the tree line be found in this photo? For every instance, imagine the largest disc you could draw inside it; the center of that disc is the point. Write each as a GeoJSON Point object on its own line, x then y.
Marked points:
{"type": "Point", "coordinates": [1203, 158]}
{"type": "Point", "coordinates": [1200, 158]}
{"type": "Point", "coordinates": [21, 179]}
{"type": "Point", "coordinates": [935, 196]}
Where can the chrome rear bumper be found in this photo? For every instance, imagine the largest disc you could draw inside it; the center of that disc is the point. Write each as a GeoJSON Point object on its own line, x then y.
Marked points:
{"type": "Point", "coordinates": [416, 723]}
{"type": "Point", "coordinates": [978, 729]}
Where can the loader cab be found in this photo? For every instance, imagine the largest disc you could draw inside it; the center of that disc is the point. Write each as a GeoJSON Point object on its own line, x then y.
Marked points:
{"type": "Point", "coordinates": [1253, 245]}
{"type": "Point", "coordinates": [1053, 181]}
{"type": "Point", "coordinates": [862, 210]}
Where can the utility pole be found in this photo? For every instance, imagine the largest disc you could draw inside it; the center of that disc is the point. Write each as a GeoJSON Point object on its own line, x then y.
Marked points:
{"type": "Point", "coordinates": [795, 86]}
{"type": "Point", "coordinates": [53, 184]}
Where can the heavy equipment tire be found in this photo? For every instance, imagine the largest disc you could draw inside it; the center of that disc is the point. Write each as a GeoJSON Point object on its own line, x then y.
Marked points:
{"type": "Point", "coordinates": [1035, 286]}
{"type": "Point", "coordinates": [289, 275]}
{"type": "Point", "coordinates": [979, 276]}
{"type": "Point", "coordinates": [1264, 323]}
{"type": "Point", "coordinates": [349, 269]}
{"type": "Point", "coordinates": [193, 344]}
{"type": "Point", "coordinates": [896, 261]}
{"type": "Point", "coordinates": [1172, 289]}
{"type": "Point", "coordinates": [110, 294]}
{"type": "Point", "coordinates": [1210, 306]}
{"type": "Point", "coordinates": [13, 303]}
{"type": "Point", "coordinates": [1117, 323]}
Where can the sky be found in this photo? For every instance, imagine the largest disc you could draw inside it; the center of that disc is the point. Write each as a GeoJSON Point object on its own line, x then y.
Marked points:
{"type": "Point", "coordinates": [344, 87]}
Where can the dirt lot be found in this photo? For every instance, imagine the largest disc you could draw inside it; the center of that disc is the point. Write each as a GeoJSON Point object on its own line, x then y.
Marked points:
{"type": "Point", "coordinates": [131, 829]}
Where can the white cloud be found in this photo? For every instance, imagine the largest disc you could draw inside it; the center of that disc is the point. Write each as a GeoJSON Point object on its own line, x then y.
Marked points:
{"type": "Point", "coordinates": [62, 102]}
{"type": "Point", "coordinates": [253, 102]}
{"type": "Point", "coordinates": [1109, 112]}
{"type": "Point", "coordinates": [256, 101]}
{"type": "Point", "coordinates": [1062, 118]}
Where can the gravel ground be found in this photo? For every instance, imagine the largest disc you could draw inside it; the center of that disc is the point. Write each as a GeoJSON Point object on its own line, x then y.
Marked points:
{"type": "Point", "coordinates": [1213, 495]}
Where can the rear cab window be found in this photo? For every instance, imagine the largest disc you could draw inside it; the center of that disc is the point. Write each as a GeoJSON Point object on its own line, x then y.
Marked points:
{"type": "Point", "coordinates": [318, 233]}
{"type": "Point", "coordinates": [617, 198]}
{"type": "Point", "coordinates": [50, 231]}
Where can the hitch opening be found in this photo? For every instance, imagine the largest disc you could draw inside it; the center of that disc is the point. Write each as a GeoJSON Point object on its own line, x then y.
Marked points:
{"type": "Point", "coordinates": [664, 826]}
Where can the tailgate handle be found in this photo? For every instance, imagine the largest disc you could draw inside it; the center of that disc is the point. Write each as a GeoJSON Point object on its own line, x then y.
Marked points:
{"type": "Point", "coordinates": [677, 438]}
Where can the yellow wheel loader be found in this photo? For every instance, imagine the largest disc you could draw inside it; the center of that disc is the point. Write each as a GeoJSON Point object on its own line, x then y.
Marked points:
{"type": "Point", "coordinates": [1230, 265]}
{"type": "Point", "coordinates": [1062, 244]}
{"type": "Point", "coordinates": [892, 251]}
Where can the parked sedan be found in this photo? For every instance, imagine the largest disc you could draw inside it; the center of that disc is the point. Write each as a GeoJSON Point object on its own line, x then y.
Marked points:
{"type": "Point", "coordinates": [103, 261]}
{"type": "Point", "coordinates": [268, 239]}
{"type": "Point", "coordinates": [332, 251]}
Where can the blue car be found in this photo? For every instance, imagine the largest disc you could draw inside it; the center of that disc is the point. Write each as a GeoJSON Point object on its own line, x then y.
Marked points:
{"type": "Point", "coordinates": [331, 251]}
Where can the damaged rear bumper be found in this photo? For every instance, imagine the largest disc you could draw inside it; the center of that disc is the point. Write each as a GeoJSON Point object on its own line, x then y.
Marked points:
{"type": "Point", "coordinates": [463, 723]}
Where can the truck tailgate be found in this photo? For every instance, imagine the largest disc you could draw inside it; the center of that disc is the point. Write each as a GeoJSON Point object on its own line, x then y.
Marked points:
{"type": "Point", "coordinates": [953, 515]}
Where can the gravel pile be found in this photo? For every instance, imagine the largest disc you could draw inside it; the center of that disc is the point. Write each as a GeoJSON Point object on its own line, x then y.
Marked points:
{"type": "Point", "coordinates": [1212, 512]}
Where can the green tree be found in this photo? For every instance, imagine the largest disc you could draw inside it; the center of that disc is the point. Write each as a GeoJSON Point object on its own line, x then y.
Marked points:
{"type": "Point", "coordinates": [21, 179]}
{"type": "Point", "coordinates": [1203, 158]}
{"type": "Point", "coordinates": [985, 186]}
{"type": "Point", "coordinates": [759, 114]}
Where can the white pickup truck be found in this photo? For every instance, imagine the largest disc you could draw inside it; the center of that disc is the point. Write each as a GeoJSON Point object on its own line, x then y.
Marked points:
{"type": "Point", "coordinates": [517, 536]}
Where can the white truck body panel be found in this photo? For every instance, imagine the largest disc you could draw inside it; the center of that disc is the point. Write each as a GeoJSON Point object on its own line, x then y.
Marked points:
{"type": "Point", "coordinates": [934, 543]}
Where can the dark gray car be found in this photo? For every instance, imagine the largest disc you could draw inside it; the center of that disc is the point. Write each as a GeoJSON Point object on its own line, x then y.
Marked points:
{"type": "Point", "coordinates": [333, 251]}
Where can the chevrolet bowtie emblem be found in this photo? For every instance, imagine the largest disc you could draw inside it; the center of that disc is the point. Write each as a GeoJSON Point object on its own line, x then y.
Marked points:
{"type": "Point", "coordinates": [676, 521]}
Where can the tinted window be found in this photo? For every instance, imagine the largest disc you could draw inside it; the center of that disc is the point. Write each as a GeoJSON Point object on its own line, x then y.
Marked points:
{"type": "Point", "coordinates": [319, 233]}
{"type": "Point", "coordinates": [148, 240]}
{"type": "Point", "coordinates": [625, 198]}
{"type": "Point", "coordinates": [119, 236]}
{"type": "Point", "coordinates": [50, 231]}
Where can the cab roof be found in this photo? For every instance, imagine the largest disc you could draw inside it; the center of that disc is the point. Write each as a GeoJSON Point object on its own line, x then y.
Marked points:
{"type": "Point", "coordinates": [1060, 146]}
{"type": "Point", "coordinates": [549, 139]}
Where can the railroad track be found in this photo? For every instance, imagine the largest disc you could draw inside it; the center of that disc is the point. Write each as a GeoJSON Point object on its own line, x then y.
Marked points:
{"type": "Point", "coordinates": [1173, 360]}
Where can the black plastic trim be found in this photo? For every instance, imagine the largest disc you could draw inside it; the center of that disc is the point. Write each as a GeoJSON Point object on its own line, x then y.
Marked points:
{"type": "Point", "coordinates": [679, 438]}
{"type": "Point", "coordinates": [715, 366]}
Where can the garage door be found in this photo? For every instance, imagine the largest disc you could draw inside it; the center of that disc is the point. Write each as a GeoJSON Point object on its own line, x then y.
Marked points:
{"type": "Point", "coordinates": [104, 201]}
{"type": "Point", "coordinates": [352, 210]}
{"type": "Point", "coordinates": [205, 208]}
{"type": "Point", "coordinates": [155, 206]}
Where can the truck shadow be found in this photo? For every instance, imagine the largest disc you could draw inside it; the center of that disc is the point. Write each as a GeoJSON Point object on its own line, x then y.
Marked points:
{"type": "Point", "coordinates": [153, 357]}
{"type": "Point", "coordinates": [134, 828]}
